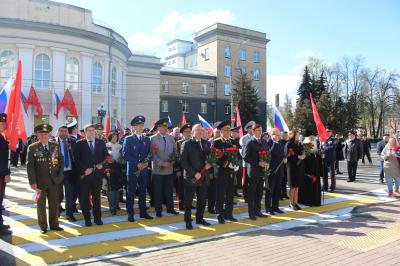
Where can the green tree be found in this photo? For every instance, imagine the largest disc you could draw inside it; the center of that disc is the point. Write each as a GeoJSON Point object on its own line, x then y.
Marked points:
{"type": "Point", "coordinates": [303, 116]}
{"type": "Point", "coordinates": [245, 95]}
{"type": "Point", "coordinates": [319, 86]}
{"type": "Point", "coordinates": [306, 86]}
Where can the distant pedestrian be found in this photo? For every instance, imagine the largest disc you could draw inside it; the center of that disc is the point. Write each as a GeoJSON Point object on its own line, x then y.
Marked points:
{"type": "Point", "coordinates": [353, 152]}
{"type": "Point", "coordinates": [366, 150]}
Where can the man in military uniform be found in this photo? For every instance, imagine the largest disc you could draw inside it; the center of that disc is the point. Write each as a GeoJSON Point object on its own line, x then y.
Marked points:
{"type": "Point", "coordinates": [73, 129]}
{"type": "Point", "coordinates": [136, 150]}
{"type": "Point", "coordinates": [329, 158]}
{"type": "Point", "coordinates": [225, 177]}
{"type": "Point", "coordinates": [45, 173]}
{"type": "Point", "coordinates": [186, 131]}
{"type": "Point", "coordinates": [4, 171]}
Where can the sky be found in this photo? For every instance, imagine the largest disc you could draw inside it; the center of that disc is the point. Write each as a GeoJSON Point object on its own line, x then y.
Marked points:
{"type": "Point", "coordinates": [297, 29]}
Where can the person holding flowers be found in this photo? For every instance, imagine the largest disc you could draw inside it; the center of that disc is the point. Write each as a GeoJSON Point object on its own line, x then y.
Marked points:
{"type": "Point", "coordinates": [256, 154]}
{"type": "Point", "coordinates": [225, 177]}
{"type": "Point", "coordinates": [276, 166]}
{"type": "Point", "coordinates": [391, 166]}
{"type": "Point", "coordinates": [295, 167]}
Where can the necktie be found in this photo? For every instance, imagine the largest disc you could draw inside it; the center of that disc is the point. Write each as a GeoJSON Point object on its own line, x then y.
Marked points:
{"type": "Point", "coordinates": [91, 146]}
{"type": "Point", "coordinates": [66, 154]}
{"type": "Point", "coordinates": [45, 148]}
{"type": "Point", "coordinates": [165, 142]}
{"type": "Point", "coordinates": [199, 142]}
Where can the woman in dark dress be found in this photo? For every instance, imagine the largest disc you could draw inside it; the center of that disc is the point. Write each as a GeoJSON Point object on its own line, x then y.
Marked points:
{"type": "Point", "coordinates": [294, 153]}
{"type": "Point", "coordinates": [310, 187]}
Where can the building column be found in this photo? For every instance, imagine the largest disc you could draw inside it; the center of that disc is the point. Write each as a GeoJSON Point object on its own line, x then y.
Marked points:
{"type": "Point", "coordinates": [58, 84]}
{"type": "Point", "coordinates": [87, 64]}
{"type": "Point", "coordinates": [25, 53]}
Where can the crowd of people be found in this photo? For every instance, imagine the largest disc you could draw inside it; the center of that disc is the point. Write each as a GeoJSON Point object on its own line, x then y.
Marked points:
{"type": "Point", "coordinates": [208, 166]}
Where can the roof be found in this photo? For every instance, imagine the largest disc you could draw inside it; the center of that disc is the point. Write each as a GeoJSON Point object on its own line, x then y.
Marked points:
{"type": "Point", "coordinates": [184, 71]}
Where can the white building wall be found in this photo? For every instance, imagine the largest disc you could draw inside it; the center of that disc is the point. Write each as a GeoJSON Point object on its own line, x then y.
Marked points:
{"type": "Point", "coordinates": [87, 64]}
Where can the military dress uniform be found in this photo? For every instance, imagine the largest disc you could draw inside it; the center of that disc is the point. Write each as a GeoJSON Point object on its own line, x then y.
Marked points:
{"type": "Point", "coordinates": [136, 149]}
{"type": "Point", "coordinates": [4, 171]}
{"type": "Point", "coordinates": [45, 169]}
{"type": "Point", "coordinates": [329, 153]}
{"type": "Point", "coordinates": [225, 180]}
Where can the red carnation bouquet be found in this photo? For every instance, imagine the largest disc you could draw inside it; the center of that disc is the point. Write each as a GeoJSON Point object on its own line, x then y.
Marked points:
{"type": "Point", "coordinates": [212, 158]}
{"type": "Point", "coordinates": [396, 150]}
{"type": "Point", "coordinates": [231, 155]}
{"type": "Point", "coordinates": [265, 156]}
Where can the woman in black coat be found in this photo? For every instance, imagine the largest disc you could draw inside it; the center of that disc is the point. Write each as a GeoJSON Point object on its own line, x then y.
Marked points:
{"type": "Point", "coordinates": [294, 153]}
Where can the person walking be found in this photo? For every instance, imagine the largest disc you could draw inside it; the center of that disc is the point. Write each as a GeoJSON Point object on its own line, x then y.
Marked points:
{"type": "Point", "coordinates": [391, 166]}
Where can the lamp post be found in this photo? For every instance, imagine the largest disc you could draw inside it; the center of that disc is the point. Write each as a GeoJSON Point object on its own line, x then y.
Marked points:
{"type": "Point", "coordinates": [101, 113]}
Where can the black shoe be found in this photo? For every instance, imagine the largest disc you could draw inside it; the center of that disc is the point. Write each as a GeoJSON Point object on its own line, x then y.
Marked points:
{"type": "Point", "coordinates": [71, 218]}
{"type": "Point", "coordinates": [231, 218]}
{"type": "Point", "coordinates": [122, 201]}
{"type": "Point", "coordinates": [382, 181]}
{"type": "Point", "coordinates": [237, 195]}
{"type": "Point", "coordinates": [278, 210]}
{"type": "Point", "coordinates": [131, 219]}
{"type": "Point", "coordinates": [203, 222]}
{"type": "Point", "coordinates": [118, 207]}
{"type": "Point", "coordinates": [272, 212]}
{"type": "Point", "coordinates": [159, 214]}
{"type": "Point", "coordinates": [113, 212]}
{"type": "Point", "coordinates": [292, 207]}
{"type": "Point", "coordinates": [297, 207]}
{"type": "Point", "coordinates": [339, 173]}
{"type": "Point", "coordinates": [5, 226]}
{"type": "Point", "coordinates": [98, 222]}
{"type": "Point", "coordinates": [146, 216]}
{"type": "Point", "coordinates": [44, 230]}
{"type": "Point", "coordinates": [285, 196]}
{"type": "Point", "coordinates": [333, 190]}
{"type": "Point", "coordinates": [221, 219]}
{"type": "Point", "coordinates": [58, 228]}
{"type": "Point", "coordinates": [173, 212]}
{"type": "Point", "coordinates": [212, 211]}
{"type": "Point", "coordinates": [253, 218]}
{"type": "Point", "coordinates": [181, 208]}
{"type": "Point", "coordinates": [61, 209]}
{"type": "Point", "coordinates": [193, 207]}
{"type": "Point", "coordinates": [260, 214]}
{"type": "Point", "coordinates": [189, 225]}
{"type": "Point", "coordinates": [88, 223]}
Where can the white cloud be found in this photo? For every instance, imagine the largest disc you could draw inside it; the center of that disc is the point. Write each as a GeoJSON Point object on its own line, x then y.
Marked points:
{"type": "Point", "coordinates": [306, 54]}
{"type": "Point", "coordinates": [174, 25]}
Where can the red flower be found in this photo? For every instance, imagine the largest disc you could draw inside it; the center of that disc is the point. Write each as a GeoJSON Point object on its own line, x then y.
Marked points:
{"type": "Point", "coordinates": [108, 159]}
{"type": "Point", "coordinates": [219, 152]}
{"type": "Point", "coordinates": [232, 149]}
{"type": "Point", "coordinates": [396, 148]}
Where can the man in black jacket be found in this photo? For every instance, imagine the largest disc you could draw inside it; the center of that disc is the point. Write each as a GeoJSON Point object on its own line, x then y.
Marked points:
{"type": "Point", "coordinates": [255, 171]}
{"type": "Point", "coordinates": [193, 162]}
{"type": "Point", "coordinates": [353, 152]}
{"type": "Point", "coordinates": [90, 154]}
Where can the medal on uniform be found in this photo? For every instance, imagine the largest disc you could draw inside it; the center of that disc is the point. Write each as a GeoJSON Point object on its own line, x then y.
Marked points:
{"type": "Point", "coordinates": [54, 157]}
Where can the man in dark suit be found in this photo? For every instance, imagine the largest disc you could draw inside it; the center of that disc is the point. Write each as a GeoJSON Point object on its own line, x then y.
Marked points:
{"type": "Point", "coordinates": [4, 171]}
{"type": "Point", "coordinates": [70, 179]}
{"type": "Point", "coordinates": [136, 151]}
{"type": "Point", "coordinates": [193, 162]}
{"type": "Point", "coordinates": [329, 156]}
{"type": "Point", "coordinates": [45, 173]}
{"type": "Point", "coordinates": [90, 154]}
{"type": "Point", "coordinates": [255, 171]}
{"type": "Point", "coordinates": [225, 176]}
{"type": "Point", "coordinates": [276, 166]}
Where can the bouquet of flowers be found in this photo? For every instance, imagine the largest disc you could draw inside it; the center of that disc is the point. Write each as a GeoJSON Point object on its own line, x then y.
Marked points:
{"type": "Point", "coordinates": [396, 150]}
{"type": "Point", "coordinates": [212, 158]}
{"type": "Point", "coordinates": [308, 148]}
{"type": "Point", "coordinates": [265, 156]}
{"type": "Point", "coordinates": [231, 154]}
{"type": "Point", "coordinates": [154, 149]}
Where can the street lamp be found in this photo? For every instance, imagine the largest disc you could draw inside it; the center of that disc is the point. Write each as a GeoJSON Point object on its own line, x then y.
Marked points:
{"type": "Point", "coordinates": [101, 113]}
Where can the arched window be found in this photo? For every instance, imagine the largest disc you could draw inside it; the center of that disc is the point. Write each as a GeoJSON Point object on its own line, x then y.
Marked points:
{"type": "Point", "coordinates": [42, 71]}
{"type": "Point", "coordinates": [72, 74]}
{"type": "Point", "coordinates": [97, 77]}
{"type": "Point", "coordinates": [114, 82]}
{"type": "Point", "coordinates": [8, 66]}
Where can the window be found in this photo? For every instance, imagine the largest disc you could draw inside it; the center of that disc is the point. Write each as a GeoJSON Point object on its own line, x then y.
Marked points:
{"type": "Point", "coordinates": [227, 70]}
{"type": "Point", "coordinates": [206, 54]}
{"type": "Point", "coordinates": [227, 52]}
{"type": "Point", "coordinates": [8, 66]}
{"type": "Point", "coordinates": [165, 87]}
{"type": "Point", "coordinates": [256, 57]}
{"type": "Point", "coordinates": [114, 81]}
{"type": "Point", "coordinates": [204, 89]}
{"type": "Point", "coordinates": [256, 74]}
{"type": "Point", "coordinates": [203, 108]}
{"type": "Point", "coordinates": [185, 107]}
{"type": "Point", "coordinates": [185, 87]}
{"type": "Point", "coordinates": [227, 108]}
{"type": "Point", "coordinates": [242, 55]}
{"type": "Point", "coordinates": [97, 77]}
{"type": "Point", "coordinates": [164, 106]}
{"type": "Point", "coordinates": [243, 70]}
{"type": "Point", "coordinates": [72, 74]}
{"type": "Point", "coordinates": [227, 89]}
{"type": "Point", "coordinates": [42, 71]}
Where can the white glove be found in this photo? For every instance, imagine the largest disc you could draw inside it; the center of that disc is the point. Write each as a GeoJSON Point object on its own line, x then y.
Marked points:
{"type": "Point", "coordinates": [231, 166]}
{"type": "Point", "coordinates": [236, 168]}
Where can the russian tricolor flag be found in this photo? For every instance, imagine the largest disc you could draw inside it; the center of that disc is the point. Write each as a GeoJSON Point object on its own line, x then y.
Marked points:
{"type": "Point", "coordinates": [205, 124]}
{"type": "Point", "coordinates": [279, 121]}
{"type": "Point", "coordinates": [5, 95]}
{"type": "Point", "coordinates": [57, 105]}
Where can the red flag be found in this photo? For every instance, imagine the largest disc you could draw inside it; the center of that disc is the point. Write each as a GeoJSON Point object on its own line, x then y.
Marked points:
{"type": "Point", "coordinates": [318, 122]}
{"type": "Point", "coordinates": [239, 121]}
{"type": "Point", "coordinates": [68, 103]}
{"type": "Point", "coordinates": [34, 100]}
{"type": "Point", "coordinates": [21, 128]}
{"type": "Point", "coordinates": [14, 110]}
{"type": "Point", "coordinates": [183, 118]}
{"type": "Point", "coordinates": [108, 125]}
